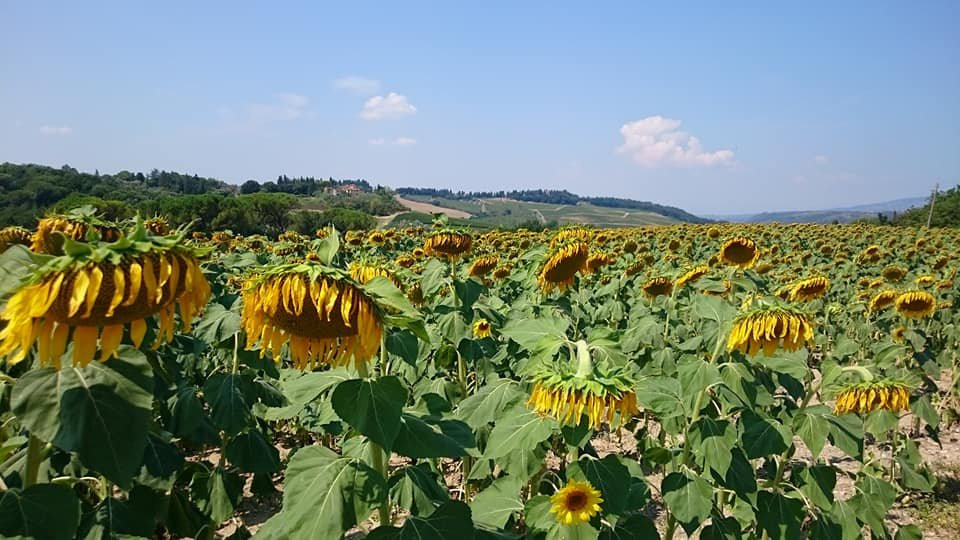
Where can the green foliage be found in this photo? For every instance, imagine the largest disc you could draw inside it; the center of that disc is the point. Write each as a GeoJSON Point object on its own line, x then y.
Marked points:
{"type": "Point", "coordinates": [946, 211]}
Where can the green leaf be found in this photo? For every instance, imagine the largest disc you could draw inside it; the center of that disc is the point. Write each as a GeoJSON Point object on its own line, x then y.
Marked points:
{"type": "Point", "coordinates": [494, 505]}
{"type": "Point", "coordinates": [372, 407]}
{"type": "Point", "coordinates": [114, 518]}
{"type": "Point", "coordinates": [450, 520]}
{"type": "Point", "coordinates": [225, 491]}
{"type": "Point", "coordinates": [218, 324]}
{"type": "Point", "coordinates": [712, 441]}
{"type": "Point", "coordinates": [518, 429]}
{"type": "Point", "coordinates": [489, 402]}
{"type": "Point", "coordinates": [430, 437]}
{"type": "Point", "coordinates": [660, 395]}
{"type": "Point", "coordinates": [818, 483]}
{"type": "Point", "coordinates": [537, 514]}
{"type": "Point", "coordinates": [923, 409]}
{"type": "Point", "coordinates": [251, 452]}
{"type": "Point", "coordinates": [405, 345]}
{"type": "Point", "coordinates": [812, 426]}
{"type": "Point", "coordinates": [328, 247]}
{"type": "Point", "coordinates": [101, 412]}
{"type": "Point", "coordinates": [325, 494]}
{"type": "Point", "coordinates": [688, 498]}
{"type": "Point", "coordinates": [846, 433]}
{"type": "Point", "coordinates": [529, 332]}
{"type": "Point", "coordinates": [713, 308]}
{"type": "Point", "coordinates": [40, 511]}
{"type": "Point", "coordinates": [226, 394]}
{"type": "Point", "coordinates": [779, 516]}
{"type": "Point", "coordinates": [607, 475]}
{"type": "Point", "coordinates": [417, 489]}
{"type": "Point", "coordinates": [722, 528]}
{"type": "Point", "coordinates": [635, 527]}
{"type": "Point", "coordinates": [763, 436]}
{"type": "Point", "coordinates": [161, 463]}
{"type": "Point", "coordinates": [695, 376]}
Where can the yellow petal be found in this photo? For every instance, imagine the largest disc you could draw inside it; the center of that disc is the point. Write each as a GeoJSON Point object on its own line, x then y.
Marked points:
{"type": "Point", "coordinates": [110, 340]}
{"type": "Point", "coordinates": [138, 329]}
{"type": "Point", "coordinates": [84, 344]}
{"type": "Point", "coordinates": [93, 289]}
{"type": "Point", "coordinates": [78, 292]}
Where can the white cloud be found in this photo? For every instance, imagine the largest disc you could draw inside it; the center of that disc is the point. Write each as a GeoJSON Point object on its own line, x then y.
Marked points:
{"type": "Point", "coordinates": [361, 86]}
{"type": "Point", "coordinates": [392, 105]}
{"type": "Point", "coordinates": [56, 130]}
{"type": "Point", "coordinates": [656, 140]}
{"type": "Point", "coordinates": [821, 159]}
{"type": "Point", "coordinates": [399, 141]}
{"type": "Point", "coordinates": [283, 107]}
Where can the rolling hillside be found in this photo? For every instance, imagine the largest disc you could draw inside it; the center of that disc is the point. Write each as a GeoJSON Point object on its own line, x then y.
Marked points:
{"type": "Point", "coordinates": [841, 215]}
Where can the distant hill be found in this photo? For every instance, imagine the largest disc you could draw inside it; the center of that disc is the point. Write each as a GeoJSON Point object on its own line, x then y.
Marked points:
{"type": "Point", "coordinates": [551, 205]}
{"type": "Point", "coordinates": [841, 215]}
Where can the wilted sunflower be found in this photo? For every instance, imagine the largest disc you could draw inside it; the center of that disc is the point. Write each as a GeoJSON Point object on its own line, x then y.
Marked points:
{"type": "Point", "coordinates": [560, 268]}
{"type": "Point", "coordinates": [692, 275]}
{"type": "Point", "coordinates": [894, 273]}
{"type": "Point", "coordinates": [883, 300]}
{"type": "Point", "coordinates": [76, 225]}
{"type": "Point", "coordinates": [658, 286]}
{"type": "Point", "coordinates": [867, 397]}
{"type": "Point", "coordinates": [740, 252]}
{"type": "Point", "coordinates": [924, 280]}
{"type": "Point", "coordinates": [571, 234]}
{"type": "Point", "coordinates": [363, 272]}
{"type": "Point", "coordinates": [481, 329]}
{"type": "Point", "coordinates": [597, 261]}
{"type": "Point", "coordinates": [770, 326]}
{"type": "Point", "coordinates": [157, 225]}
{"type": "Point", "coordinates": [501, 272]}
{"type": "Point", "coordinates": [326, 317]}
{"type": "Point", "coordinates": [575, 503]}
{"type": "Point", "coordinates": [566, 393]}
{"type": "Point", "coordinates": [405, 261]}
{"type": "Point", "coordinates": [376, 238]}
{"type": "Point", "coordinates": [482, 266]}
{"type": "Point", "coordinates": [415, 294]}
{"type": "Point", "coordinates": [95, 291]}
{"type": "Point", "coordinates": [916, 304]}
{"type": "Point", "coordinates": [448, 244]}
{"type": "Point", "coordinates": [13, 235]}
{"type": "Point", "coordinates": [809, 289]}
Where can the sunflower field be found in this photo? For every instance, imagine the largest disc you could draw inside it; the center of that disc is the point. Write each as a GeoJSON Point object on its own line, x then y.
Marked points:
{"type": "Point", "coordinates": [712, 381]}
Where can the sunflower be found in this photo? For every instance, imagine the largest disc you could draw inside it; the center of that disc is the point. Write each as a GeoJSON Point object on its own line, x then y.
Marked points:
{"type": "Point", "coordinates": [740, 252]}
{"type": "Point", "coordinates": [405, 261]}
{"type": "Point", "coordinates": [566, 394]}
{"type": "Point", "coordinates": [376, 238]}
{"type": "Point", "coordinates": [575, 503]}
{"type": "Point", "coordinates": [894, 273]}
{"type": "Point", "coordinates": [597, 261]}
{"type": "Point", "coordinates": [883, 300]}
{"type": "Point", "coordinates": [867, 397]}
{"type": "Point", "coordinates": [363, 272]}
{"type": "Point", "coordinates": [415, 294]}
{"type": "Point", "coordinates": [97, 290]}
{"type": "Point", "coordinates": [768, 327]}
{"type": "Point", "coordinates": [692, 275]}
{"type": "Point", "coordinates": [13, 235]}
{"type": "Point", "coordinates": [658, 286]}
{"type": "Point", "coordinates": [571, 235]}
{"type": "Point", "coordinates": [634, 269]}
{"type": "Point", "coordinates": [326, 317]}
{"type": "Point", "coordinates": [482, 266]}
{"type": "Point", "coordinates": [481, 329]}
{"type": "Point", "coordinates": [76, 225]}
{"type": "Point", "coordinates": [898, 334]}
{"type": "Point", "coordinates": [809, 289]}
{"type": "Point", "coordinates": [924, 280]}
{"type": "Point", "coordinates": [157, 225]}
{"type": "Point", "coordinates": [916, 304]}
{"type": "Point", "coordinates": [448, 245]}
{"type": "Point", "coordinates": [560, 268]}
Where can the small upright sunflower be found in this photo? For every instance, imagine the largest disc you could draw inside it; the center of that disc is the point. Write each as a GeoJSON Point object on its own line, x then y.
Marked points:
{"type": "Point", "coordinates": [560, 268]}
{"type": "Point", "coordinates": [326, 317]}
{"type": "Point", "coordinates": [448, 245]}
{"type": "Point", "coordinates": [658, 286]}
{"type": "Point", "coordinates": [692, 275]}
{"type": "Point", "coordinates": [567, 393]}
{"type": "Point", "coordinates": [481, 329]}
{"type": "Point", "coordinates": [883, 300]}
{"type": "Point", "coordinates": [575, 503]}
{"type": "Point", "coordinates": [899, 334]}
{"type": "Point", "coordinates": [867, 397]}
{"type": "Point", "coordinates": [916, 304]}
{"type": "Point", "coordinates": [740, 252]}
{"type": "Point", "coordinates": [482, 266]}
{"type": "Point", "coordinates": [809, 289]}
{"type": "Point", "coordinates": [770, 326]}
{"type": "Point", "coordinates": [95, 291]}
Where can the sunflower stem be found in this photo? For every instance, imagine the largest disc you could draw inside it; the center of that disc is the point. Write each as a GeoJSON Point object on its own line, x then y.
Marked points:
{"type": "Point", "coordinates": [236, 350]}
{"type": "Point", "coordinates": [584, 361]}
{"type": "Point", "coordinates": [377, 460]}
{"type": "Point", "coordinates": [35, 451]}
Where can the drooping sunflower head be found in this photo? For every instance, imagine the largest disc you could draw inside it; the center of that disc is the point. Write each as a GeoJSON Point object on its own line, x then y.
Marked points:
{"type": "Point", "coordinates": [501, 272]}
{"type": "Point", "coordinates": [327, 318]}
{"type": "Point", "coordinates": [575, 503]}
{"type": "Point", "coordinates": [768, 325]}
{"type": "Point", "coordinates": [809, 289]}
{"type": "Point", "coordinates": [363, 271]}
{"type": "Point", "coordinates": [79, 224]}
{"type": "Point", "coordinates": [448, 244]}
{"type": "Point", "coordinates": [157, 225]}
{"type": "Point", "coordinates": [482, 266]}
{"type": "Point", "coordinates": [864, 398]}
{"type": "Point", "coordinates": [14, 235]}
{"type": "Point", "coordinates": [916, 304]}
{"type": "Point", "coordinates": [883, 300]}
{"type": "Point", "coordinates": [567, 393]}
{"type": "Point", "coordinates": [923, 281]}
{"type": "Point", "coordinates": [95, 291]}
{"type": "Point", "coordinates": [692, 275]}
{"type": "Point", "coordinates": [630, 246]}
{"type": "Point", "coordinates": [740, 252]}
{"type": "Point", "coordinates": [376, 238]}
{"type": "Point", "coordinates": [561, 266]}
{"type": "Point", "coordinates": [658, 286]}
{"type": "Point", "coordinates": [405, 261]}
{"type": "Point", "coordinates": [571, 235]}
{"type": "Point", "coordinates": [894, 273]}
{"type": "Point", "coordinates": [597, 261]}
{"type": "Point", "coordinates": [482, 329]}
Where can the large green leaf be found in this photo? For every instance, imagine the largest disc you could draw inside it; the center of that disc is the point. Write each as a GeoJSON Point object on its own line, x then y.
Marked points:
{"type": "Point", "coordinates": [372, 407]}
{"type": "Point", "coordinates": [778, 515]}
{"type": "Point", "coordinates": [712, 441]}
{"type": "Point", "coordinates": [763, 436]}
{"type": "Point", "coordinates": [217, 324]}
{"type": "Point", "coordinates": [489, 402]}
{"type": "Point", "coordinates": [812, 426]}
{"type": "Point", "coordinates": [607, 475]}
{"type": "Point", "coordinates": [450, 521]}
{"type": "Point", "coordinates": [494, 506]}
{"type": "Point", "coordinates": [688, 498]}
{"type": "Point", "coordinates": [529, 332]}
{"type": "Point", "coordinates": [227, 394]}
{"type": "Point", "coordinates": [42, 511]}
{"type": "Point", "coordinates": [417, 489]}
{"type": "Point", "coordinates": [429, 437]}
{"type": "Point", "coordinates": [251, 452]}
{"type": "Point", "coordinates": [634, 527]}
{"type": "Point", "coordinates": [404, 344]}
{"type": "Point", "coordinates": [101, 412]}
{"type": "Point", "coordinates": [660, 395]}
{"type": "Point", "coordinates": [846, 433]}
{"type": "Point", "coordinates": [518, 429]}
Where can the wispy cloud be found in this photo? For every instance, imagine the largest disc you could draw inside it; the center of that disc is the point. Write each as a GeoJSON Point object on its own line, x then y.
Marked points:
{"type": "Point", "coordinates": [56, 130]}
{"type": "Point", "coordinates": [361, 86]}
{"type": "Point", "coordinates": [821, 159]}
{"type": "Point", "coordinates": [392, 105]}
{"type": "Point", "coordinates": [283, 107]}
{"type": "Point", "coordinates": [657, 141]}
{"type": "Point", "coordinates": [399, 141]}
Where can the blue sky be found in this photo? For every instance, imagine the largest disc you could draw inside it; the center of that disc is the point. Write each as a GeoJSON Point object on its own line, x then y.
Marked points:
{"type": "Point", "coordinates": [716, 107]}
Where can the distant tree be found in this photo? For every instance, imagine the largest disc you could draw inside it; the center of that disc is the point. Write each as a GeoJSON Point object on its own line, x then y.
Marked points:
{"type": "Point", "coordinates": [250, 186]}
